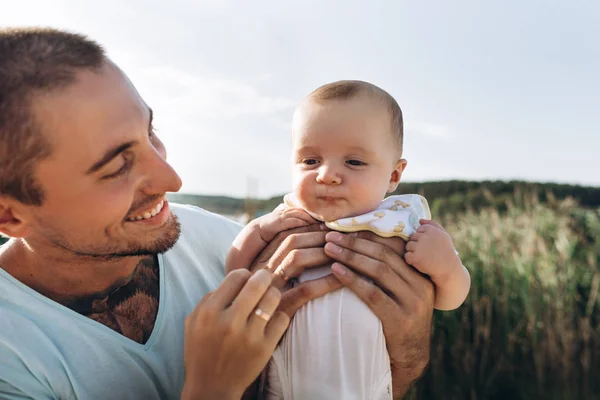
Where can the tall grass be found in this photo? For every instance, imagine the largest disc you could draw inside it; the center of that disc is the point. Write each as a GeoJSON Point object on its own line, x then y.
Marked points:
{"type": "Point", "coordinates": [530, 327]}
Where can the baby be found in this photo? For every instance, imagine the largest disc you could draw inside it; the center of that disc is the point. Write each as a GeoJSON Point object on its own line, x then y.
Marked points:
{"type": "Point", "coordinates": [347, 156]}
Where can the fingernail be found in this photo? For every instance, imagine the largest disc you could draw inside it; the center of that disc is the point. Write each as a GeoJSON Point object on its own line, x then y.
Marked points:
{"type": "Point", "coordinates": [334, 237]}
{"type": "Point", "coordinates": [333, 248]}
{"type": "Point", "coordinates": [322, 227]}
{"type": "Point", "coordinates": [338, 269]}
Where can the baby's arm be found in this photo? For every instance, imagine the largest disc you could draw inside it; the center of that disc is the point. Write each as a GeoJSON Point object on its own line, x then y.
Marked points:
{"type": "Point", "coordinates": [259, 232]}
{"type": "Point", "coordinates": [431, 251]}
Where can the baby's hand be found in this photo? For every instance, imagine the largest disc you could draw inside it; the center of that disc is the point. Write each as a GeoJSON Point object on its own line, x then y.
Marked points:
{"type": "Point", "coordinates": [259, 232]}
{"type": "Point", "coordinates": [431, 251]}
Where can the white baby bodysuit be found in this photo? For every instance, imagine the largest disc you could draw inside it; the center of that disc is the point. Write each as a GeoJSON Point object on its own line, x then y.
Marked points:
{"type": "Point", "coordinates": [335, 347]}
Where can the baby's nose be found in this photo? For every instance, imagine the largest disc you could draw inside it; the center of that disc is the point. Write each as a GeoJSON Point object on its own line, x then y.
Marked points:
{"type": "Point", "coordinates": [328, 176]}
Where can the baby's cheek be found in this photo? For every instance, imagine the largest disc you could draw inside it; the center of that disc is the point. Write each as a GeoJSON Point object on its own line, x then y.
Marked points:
{"type": "Point", "coordinates": [366, 200]}
{"type": "Point", "coordinates": [304, 193]}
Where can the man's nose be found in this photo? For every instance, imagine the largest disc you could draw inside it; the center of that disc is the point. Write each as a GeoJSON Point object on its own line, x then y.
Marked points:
{"type": "Point", "coordinates": [161, 177]}
{"type": "Point", "coordinates": [328, 176]}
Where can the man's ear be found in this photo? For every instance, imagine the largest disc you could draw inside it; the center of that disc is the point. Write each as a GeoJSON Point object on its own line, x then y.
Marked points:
{"type": "Point", "coordinates": [11, 223]}
{"type": "Point", "coordinates": [397, 175]}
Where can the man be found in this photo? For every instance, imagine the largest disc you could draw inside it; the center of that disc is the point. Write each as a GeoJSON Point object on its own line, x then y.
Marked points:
{"type": "Point", "coordinates": [101, 272]}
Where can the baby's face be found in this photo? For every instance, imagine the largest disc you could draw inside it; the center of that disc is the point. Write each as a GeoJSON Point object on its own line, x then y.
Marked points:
{"type": "Point", "coordinates": [345, 158]}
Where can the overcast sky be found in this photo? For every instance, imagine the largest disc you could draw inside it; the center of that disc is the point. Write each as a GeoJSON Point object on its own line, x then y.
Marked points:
{"type": "Point", "coordinates": [489, 90]}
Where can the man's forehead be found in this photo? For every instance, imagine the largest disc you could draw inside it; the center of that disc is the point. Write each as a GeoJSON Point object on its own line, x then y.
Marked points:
{"type": "Point", "coordinates": [97, 105]}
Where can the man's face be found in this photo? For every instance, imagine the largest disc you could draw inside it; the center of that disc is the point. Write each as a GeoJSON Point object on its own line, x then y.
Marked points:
{"type": "Point", "coordinates": [344, 159]}
{"type": "Point", "coordinates": [106, 180]}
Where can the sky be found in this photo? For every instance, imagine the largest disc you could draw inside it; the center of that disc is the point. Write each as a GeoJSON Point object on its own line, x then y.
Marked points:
{"type": "Point", "coordinates": [489, 90]}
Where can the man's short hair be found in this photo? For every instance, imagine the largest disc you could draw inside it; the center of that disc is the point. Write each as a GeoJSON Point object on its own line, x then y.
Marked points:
{"type": "Point", "coordinates": [34, 61]}
{"type": "Point", "coordinates": [349, 89]}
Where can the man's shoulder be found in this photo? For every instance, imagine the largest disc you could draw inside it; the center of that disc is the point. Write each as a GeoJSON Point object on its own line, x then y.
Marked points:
{"type": "Point", "coordinates": [198, 257]}
{"type": "Point", "coordinates": [14, 322]}
{"type": "Point", "coordinates": [21, 323]}
{"type": "Point", "coordinates": [204, 232]}
{"type": "Point", "coordinates": [198, 219]}
{"type": "Point", "coordinates": [21, 340]}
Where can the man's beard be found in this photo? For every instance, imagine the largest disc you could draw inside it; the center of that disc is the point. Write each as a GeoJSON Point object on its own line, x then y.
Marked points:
{"type": "Point", "coordinates": [169, 236]}
{"type": "Point", "coordinates": [161, 245]}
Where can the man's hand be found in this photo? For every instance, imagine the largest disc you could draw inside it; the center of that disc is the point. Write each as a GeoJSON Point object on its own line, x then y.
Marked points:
{"type": "Point", "coordinates": [285, 242]}
{"type": "Point", "coordinates": [288, 255]}
{"type": "Point", "coordinates": [400, 296]}
{"type": "Point", "coordinates": [226, 343]}
{"type": "Point", "coordinates": [259, 232]}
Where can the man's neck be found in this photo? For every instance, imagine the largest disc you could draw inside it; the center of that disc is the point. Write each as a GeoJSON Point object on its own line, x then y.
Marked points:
{"type": "Point", "coordinates": [106, 291]}
{"type": "Point", "coordinates": [55, 274]}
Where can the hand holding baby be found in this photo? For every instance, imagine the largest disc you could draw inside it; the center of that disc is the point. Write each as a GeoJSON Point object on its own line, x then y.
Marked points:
{"type": "Point", "coordinates": [284, 242]}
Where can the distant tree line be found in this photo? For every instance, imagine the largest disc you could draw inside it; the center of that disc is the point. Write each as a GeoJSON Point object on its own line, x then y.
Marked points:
{"type": "Point", "coordinates": [443, 196]}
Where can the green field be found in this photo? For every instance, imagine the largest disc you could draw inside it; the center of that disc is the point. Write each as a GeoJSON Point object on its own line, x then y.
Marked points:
{"type": "Point", "coordinates": [530, 327]}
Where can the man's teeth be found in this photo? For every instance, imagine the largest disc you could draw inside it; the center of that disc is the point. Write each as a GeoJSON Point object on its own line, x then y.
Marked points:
{"type": "Point", "coordinates": [149, 214]}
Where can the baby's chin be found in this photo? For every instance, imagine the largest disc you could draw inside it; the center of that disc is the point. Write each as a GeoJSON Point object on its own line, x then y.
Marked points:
{"type": "Point", "coordinates": [327, 214]}
{"type": "Point", "coordinates": [330, 210]}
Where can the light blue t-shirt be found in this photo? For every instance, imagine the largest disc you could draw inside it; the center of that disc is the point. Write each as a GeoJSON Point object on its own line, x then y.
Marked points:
{"type": "Point", "coordinates": [48, 351]}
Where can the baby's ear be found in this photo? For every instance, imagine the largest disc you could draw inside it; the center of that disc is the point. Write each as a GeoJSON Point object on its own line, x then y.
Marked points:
{"type": "Point", "coordinates": [397, 175]}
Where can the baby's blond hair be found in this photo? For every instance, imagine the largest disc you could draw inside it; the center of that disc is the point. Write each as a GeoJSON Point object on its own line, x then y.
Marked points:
{"type": "Point", "coordinates": [350, 89]}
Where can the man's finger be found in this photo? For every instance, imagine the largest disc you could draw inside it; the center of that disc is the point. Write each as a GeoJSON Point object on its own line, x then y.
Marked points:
{"type": "Point", "coordinates": [251, 293]}
{"type": "Point", "coordinates": [228, 290]}
{"type": "Point", "coordinates": [266, 256]}
{"type": "Point", "coordinates": [369, 293]}
{"type": "Point", "coordinates": [296, 242]}
{"type": "Point", "coordinates": [380, 272]}
{"type": "Point", "coordinates": [277, 327]}
{"type": "Point", "coordinates": [263, 312]}
{"type": "Point", "coordinates": [297, 260]}
{"type": "Point", "coordinates": [298, 296]}
{"type": "Point", "coordinates": [388, 264]}
{"type": "Point", "coordinates": [294, 263]}
{"type": "Point", "coordinates": [395, 243]}
{"type": "Point", "coordinates": [368, 248]}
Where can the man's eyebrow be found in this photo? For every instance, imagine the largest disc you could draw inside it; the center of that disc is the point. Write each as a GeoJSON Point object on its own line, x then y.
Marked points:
{"type": "Point", "coordinates": [109, 156]}
{"type": "Point", "coordinates": [115, 151]}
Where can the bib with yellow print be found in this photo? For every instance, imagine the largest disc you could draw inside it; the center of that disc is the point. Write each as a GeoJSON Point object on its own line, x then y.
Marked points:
{"type": "Point", "coordinates": [396, 216]}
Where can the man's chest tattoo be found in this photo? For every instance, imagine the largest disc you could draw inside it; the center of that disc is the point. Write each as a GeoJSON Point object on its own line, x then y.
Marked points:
{"type": "Point", "coordinates": [131, 309]}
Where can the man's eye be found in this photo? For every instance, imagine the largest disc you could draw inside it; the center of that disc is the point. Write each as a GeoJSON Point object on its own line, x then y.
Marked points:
{"type": "Point", "coordinates": [355, 163]}
{"type": "Point", "coordinates": [309, 161]}
{"type": "Point", "coordinates": [121, 171]}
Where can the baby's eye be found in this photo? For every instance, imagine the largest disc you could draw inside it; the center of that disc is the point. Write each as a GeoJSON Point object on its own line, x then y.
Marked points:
{"type": "Point", "coordinates": [309, 161]}
{"type": "Point", "coordinates": [355, 163]}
